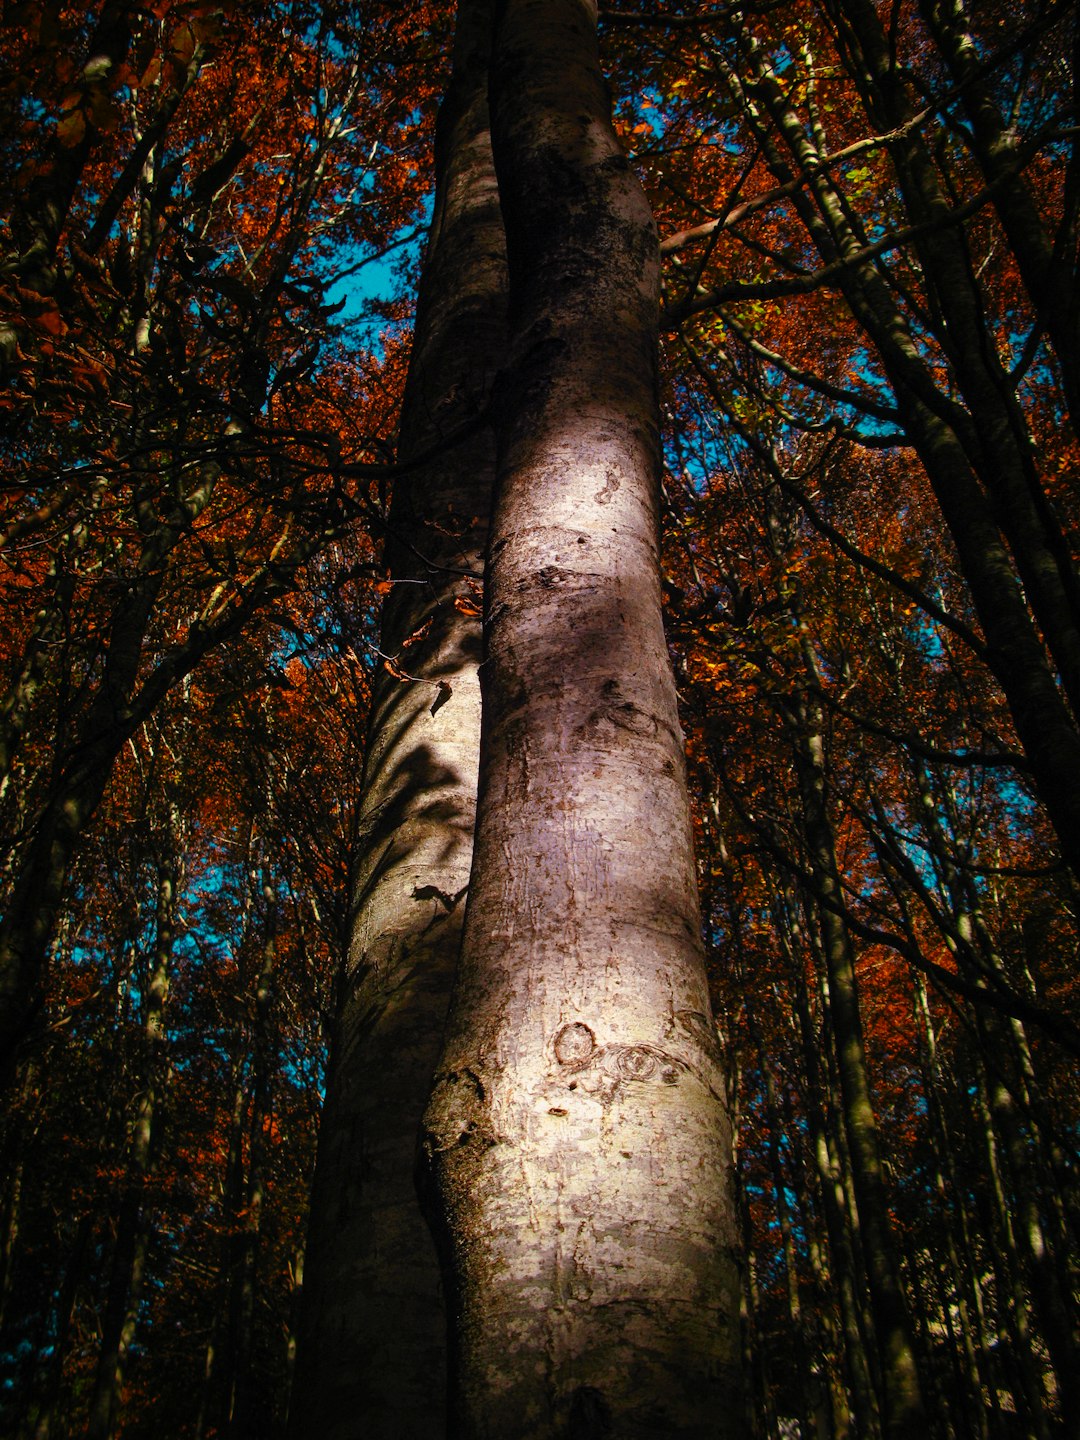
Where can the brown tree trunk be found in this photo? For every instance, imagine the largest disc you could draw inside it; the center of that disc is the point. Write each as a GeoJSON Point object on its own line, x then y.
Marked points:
{"type": "Point", "coordinates": [834, 1209]}
{"type": "Point", "coordinates": [82, 769]}
{"type": "Point", "coordinates": [1023, 1159]}
{"type": "Point", "coordinates": [1047, 263]}
{"type": "Point", "coordinates": [1013, 1304]}
{"type": "Point", "coordinates": [977, 1372]}
{"type": "Point", "coordinates": [246, 1419]}
{"type": "Point", "coordinates": [51, 1379]}
{"type": "Point", "coordinates": [991, 427]}
{"type": "Point", "coordinates": [806, 1391]}
{"type": "Point", "coordinates": [577, 1137]}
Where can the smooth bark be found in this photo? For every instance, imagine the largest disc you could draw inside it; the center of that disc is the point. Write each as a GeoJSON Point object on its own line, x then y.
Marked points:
{"type": "Point", "coordinates": [577, 1137]}
{"type": "Point", "coordinates": [372, 1333]}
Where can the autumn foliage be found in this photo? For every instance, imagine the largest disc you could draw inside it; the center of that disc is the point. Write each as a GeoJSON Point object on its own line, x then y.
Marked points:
{"type": "Point", "coordinates": [870, 217]}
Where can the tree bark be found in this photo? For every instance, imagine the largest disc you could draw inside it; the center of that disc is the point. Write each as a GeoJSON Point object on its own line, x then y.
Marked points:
{"type": "Point", "coordinates": [902, 1404]}
{"type": "Point", "coordinates": [992, 429]}
{"type": "Point", "coordinates": [833, 1205]}
{"type": "Point", "coordinates": [1047, 262]}
{"type": "Point", "coordinates": [577, 1138]}
{"type": "Point", "coordinates": [132, 1228]}
{"type": "Point", "coordinates": [979, 1377]}
{"type": "Point", "coordinates": [1013, 1304]}
{"type": "Point", "coordinates": [805, 1388]}
{"type": "Point", "coordinates": [371, 1350]}
{"type": "Point", "coordinates": [244, 1404]}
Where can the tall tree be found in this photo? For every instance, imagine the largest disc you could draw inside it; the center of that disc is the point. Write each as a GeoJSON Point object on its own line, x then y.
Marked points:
{"type": "Point", "coordinates": [577, 1139]}
{"type": "Point", "coordinates": [598, 1160]}
{"type": "Point", "coordinates": [372, 1339]}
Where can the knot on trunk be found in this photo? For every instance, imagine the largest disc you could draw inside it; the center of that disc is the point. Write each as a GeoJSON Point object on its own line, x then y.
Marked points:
{"type": "Point", "coordinates": [574, 1045]}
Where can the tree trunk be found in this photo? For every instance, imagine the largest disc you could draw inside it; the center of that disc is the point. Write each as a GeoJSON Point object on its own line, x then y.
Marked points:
{"type": "Point", "coordinates": [372, 1333]}
{"type": "Point", "coordinates": [978, 1374]}
{"type": "Point", "coordinates": [82, 770]}
{"type": "Point", "coordinates": [992, 430]}
{"type": "Point", "coordinates": [1013, 1303]}
{"type": "Point", "coordinates": [51, 1377]}
{"type": "Point", "coordinates": [834, 1208]}
{"type": "Point", "coordinates": [577, 1138]}
{"type": "Point", "coordinates": [806, 1390]}
{"type": "Point", "coordinates": [902, 1409]}
{"type": "Point", "coordinates": [1047, 263]}
{"type": "Point", "coordinates": [759, 1384]}
{"type": "Point", "coordinates": [132, 1228]}
{"type": "Point", "coordinates": [246, 1414]}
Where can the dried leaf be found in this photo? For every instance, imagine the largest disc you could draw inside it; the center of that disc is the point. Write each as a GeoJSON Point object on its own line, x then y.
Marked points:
{"type": "Point", "coordinates": [71, 129]}
{"type": "Point", "coordinates": [50, 320]}
{"type": "Point", "coordinates": [418, 634]}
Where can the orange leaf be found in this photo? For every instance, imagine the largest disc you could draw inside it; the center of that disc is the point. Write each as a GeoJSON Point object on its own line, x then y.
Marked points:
{"type": "Point", "coordinates": [418, 634]}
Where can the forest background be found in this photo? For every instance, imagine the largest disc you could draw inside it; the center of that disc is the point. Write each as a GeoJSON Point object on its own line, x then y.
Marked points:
{"type": "Point", "coordinates": [213, 222]}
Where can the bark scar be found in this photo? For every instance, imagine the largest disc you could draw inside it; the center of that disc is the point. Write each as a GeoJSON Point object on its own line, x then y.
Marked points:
{"type": "Point", "coordinates": [607, 494]}
{"type": "Point", "coordinates": [459, 1113]}
{"type": "Point", "coordinates": [620, 713]}
{"type": "Point", "coordinates": [608, 1066]}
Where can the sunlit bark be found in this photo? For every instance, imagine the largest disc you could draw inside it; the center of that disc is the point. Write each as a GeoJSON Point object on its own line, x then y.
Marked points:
{"type": "Point", "coordinates": [577, 1136]}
